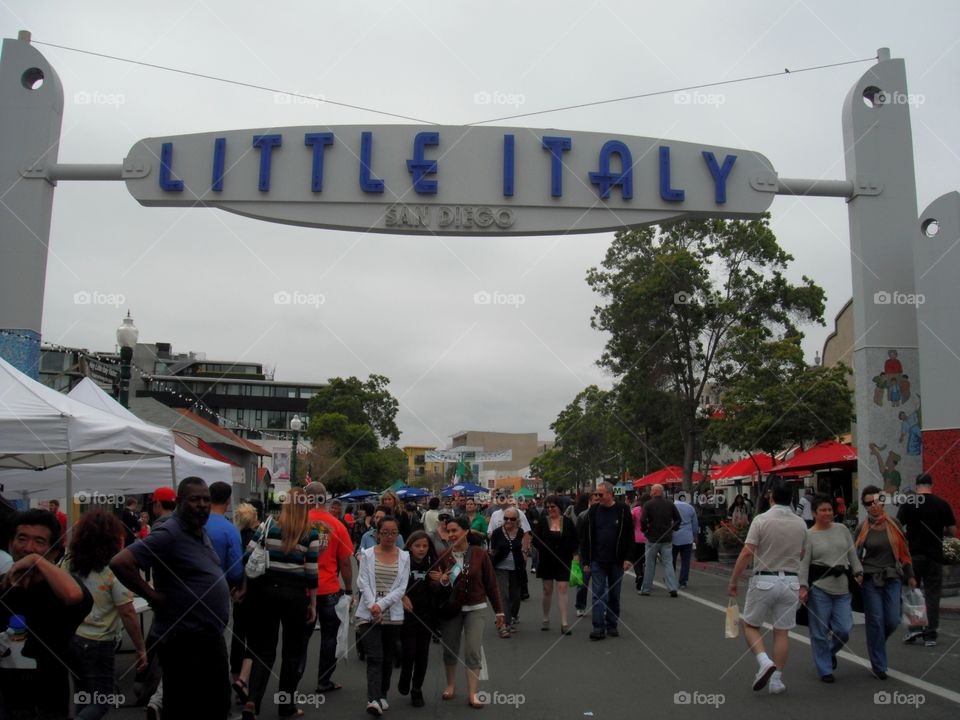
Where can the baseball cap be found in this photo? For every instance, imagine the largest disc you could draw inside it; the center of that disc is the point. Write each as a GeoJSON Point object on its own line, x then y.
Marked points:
{"type": "Point", "coordinates": [164, 494]}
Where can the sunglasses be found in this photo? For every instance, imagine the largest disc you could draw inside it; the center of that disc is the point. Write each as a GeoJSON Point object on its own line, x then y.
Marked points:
{"type": "Point", "coordinates": [510, 519]}
{"type": "Point", "coordinates": [875, 501]}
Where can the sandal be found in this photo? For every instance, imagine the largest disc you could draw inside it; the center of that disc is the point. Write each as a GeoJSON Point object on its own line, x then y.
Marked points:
{"type": "Point", "coordinates": [448, 695]}
{"type": "Point", "coordinates": [329, 687]}
{"type": "Point", "coordinates": [546, 626]}
{"type": "Point", "coordinates": [565, 630]}
{"type": "Point", "coordinates": [505, 632]}
{"type": "Point", "coordinates": [249, 711]}
{"type": "Point", "coordinates": [475, 704]}
{"type": "Point", "coordinates": [241, 690]}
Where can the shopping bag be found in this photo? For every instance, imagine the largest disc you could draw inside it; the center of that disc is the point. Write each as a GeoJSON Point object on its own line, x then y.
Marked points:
{"type": "Point", "coordinates": [484, 673]}
{"type": "Point", "coordinates": [343, 632]}
{"type": "Point", "coordinates": [732, 625]}
{"type": "Point", "coordinates": [914, 608]}
{"type": "Point", "coordinates": [576, 574]}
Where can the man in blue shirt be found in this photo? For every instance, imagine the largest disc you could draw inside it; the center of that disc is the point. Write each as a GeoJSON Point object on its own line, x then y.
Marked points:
{"type": "Point", "coordinates": [683, 537]}
{"type": "Point", "coordinates": [224, 535]}
{"type": "Point", "coordinates": [191, 605]}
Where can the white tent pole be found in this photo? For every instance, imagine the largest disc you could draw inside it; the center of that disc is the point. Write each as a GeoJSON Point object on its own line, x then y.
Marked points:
{"type": "Point", "coordinates": [173, 470]}
{"type": "Point", "coordinates": [71, 519]}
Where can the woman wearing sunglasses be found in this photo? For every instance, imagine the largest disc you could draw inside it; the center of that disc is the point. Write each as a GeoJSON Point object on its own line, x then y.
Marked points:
{"type": "Point", "coordinates": [886, 560]}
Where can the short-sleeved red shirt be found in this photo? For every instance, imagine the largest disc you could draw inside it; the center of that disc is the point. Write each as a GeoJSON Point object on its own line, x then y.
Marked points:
{"type": "Point", "coordinates": [335, 545]}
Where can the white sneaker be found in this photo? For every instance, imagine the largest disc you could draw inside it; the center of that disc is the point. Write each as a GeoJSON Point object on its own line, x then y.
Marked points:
{"type": "Point", "coordinates": [763, 675]}
{"type": "Point", "coordinates": [581, 613]}
{"type": "Point", "coordinates": [383, 704]}
{"type": "Point", "coordinates": [373, 708]}
{"type": "Point", "coordinates": [776, 686]}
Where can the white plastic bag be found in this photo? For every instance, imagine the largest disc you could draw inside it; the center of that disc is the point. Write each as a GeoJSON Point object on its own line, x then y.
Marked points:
{"type": "Point", "coordinates": [484, 672]}
{"type": "Point", "coordinates": [914, 607]}
{"type": "Point", "coordinates": [343, 632]}
{"type": "Point", "coordinates": [732, 623]}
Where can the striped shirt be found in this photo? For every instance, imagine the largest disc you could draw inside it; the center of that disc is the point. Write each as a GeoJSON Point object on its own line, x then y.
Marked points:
{"type": "Point", "coordinates": [301, 561]}
{"type": "Point", "coordinates": [386, 574]}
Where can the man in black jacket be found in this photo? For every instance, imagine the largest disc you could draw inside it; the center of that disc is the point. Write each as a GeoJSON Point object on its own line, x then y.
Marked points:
{"type": "Point", "coordinates": [660, 518]}
{"type": "Point", "coordinates": [606, 540]}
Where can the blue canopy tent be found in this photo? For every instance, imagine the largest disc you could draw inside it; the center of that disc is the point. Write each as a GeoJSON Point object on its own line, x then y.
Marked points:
{"type": "Point", "coordinates": [462, 489]}
{"type": "Point", "coordinates": [411, 493]}
{"type": "Point", "coordinates": [357, 495]}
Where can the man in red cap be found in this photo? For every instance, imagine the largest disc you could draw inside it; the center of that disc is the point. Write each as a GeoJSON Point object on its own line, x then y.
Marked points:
{"type": "Point", "coordinates": [164, 503]}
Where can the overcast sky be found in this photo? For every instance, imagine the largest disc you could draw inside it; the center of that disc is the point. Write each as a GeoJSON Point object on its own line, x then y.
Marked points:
{"type": "Point", "coordinates": [204, 280]}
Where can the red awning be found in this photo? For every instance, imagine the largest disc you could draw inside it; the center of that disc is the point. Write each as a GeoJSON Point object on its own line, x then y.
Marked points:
{"type": "Point", "coordinates": [743, 468]}
{"type": "Point", "coordinates": [670, 475]}
{"type": "Point", "coordinates": [828, 454]}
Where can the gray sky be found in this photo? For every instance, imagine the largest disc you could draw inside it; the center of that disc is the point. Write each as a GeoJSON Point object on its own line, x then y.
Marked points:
{"type": "Point", "coordinates": [404, 307]}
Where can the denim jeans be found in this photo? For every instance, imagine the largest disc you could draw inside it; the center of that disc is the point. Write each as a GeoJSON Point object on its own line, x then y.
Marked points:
{"type": "Point", "coordinates": [276, 604]}
{"type": "Point", "coordinates": [828, 614]}
{"type": "Point", "coordinates": [329, 625]}
{"type": "Point", "coordinates": [881, 608]}
{"type": "Point", "coordinates": [93, 663]}
{"type": "Point", "coordinates": [683, 552]}
{"type": "Point", "coordinates": [378, 643]}
{"type": "Point", "coordinates": [665, 552]}
{"type": "Point", "coordinates": [929, 574]}
{"type": "Point", "coordinates": [580, 602]}
{"type": "Point", "coordinates": [605, 579]}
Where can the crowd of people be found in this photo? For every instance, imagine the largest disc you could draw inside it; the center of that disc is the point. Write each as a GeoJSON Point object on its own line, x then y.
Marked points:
{"type": "Point", "coordinates": [413, 577]}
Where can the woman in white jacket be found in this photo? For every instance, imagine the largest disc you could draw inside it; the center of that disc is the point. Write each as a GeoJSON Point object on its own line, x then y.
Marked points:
{"type": "Point", "coordinates": [382, 582]}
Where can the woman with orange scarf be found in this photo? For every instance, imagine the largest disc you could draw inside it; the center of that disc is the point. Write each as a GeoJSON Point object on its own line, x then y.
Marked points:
{"type": "Point", "coordinates": [885, 555]}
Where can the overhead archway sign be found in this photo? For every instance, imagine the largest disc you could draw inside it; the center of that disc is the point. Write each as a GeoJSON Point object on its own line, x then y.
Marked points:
{"type": "Point", "coordinates": [449, 180]}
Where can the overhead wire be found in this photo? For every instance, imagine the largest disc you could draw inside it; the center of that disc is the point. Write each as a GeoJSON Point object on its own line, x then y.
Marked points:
{"type": "Point", "coordinates": [363, 108]}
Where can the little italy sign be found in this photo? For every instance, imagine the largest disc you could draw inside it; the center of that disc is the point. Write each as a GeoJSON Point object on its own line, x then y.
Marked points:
{"type": "Point", "coordinates": [435, 180]}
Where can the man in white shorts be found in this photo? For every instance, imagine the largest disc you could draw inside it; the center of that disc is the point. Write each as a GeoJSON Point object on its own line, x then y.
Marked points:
{"type": "Point", "coordinates": [775, 544]}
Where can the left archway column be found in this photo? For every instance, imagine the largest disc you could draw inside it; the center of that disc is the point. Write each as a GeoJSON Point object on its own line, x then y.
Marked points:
{"type": "Point", "coordinates": [31, 112]}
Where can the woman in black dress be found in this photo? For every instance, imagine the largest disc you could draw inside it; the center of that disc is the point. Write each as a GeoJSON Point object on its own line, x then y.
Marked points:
{"type": "Point", "coordinates": [556, 541]}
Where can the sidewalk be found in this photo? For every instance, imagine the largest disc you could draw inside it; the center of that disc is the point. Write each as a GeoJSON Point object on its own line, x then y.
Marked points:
{"type": "Point", "coordinates": [948, 605]}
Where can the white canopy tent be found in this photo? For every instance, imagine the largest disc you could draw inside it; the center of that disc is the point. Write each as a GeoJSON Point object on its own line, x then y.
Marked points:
{"type": "Point", "coordinates": [41, 429]}
{"type": "Point", "coordinates": [142, 475]}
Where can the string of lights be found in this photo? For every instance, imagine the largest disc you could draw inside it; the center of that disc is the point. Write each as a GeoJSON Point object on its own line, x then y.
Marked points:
{"type": "Point", "coordinates": [191, 400]}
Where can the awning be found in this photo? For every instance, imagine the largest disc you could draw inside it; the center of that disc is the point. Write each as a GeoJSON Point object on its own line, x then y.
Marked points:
{"type": "Point", "coordinates": [670, 475]}
{"type": "Point", "coordinates": [745, 468]}
{"type": "Point", "coordinates": [828, 454]}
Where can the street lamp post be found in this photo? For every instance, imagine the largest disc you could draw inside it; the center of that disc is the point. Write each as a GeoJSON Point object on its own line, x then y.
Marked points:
{"type": "Point", "coordinates": [127, 335]}
{"type": "Point", "coordinates": [296, 424]}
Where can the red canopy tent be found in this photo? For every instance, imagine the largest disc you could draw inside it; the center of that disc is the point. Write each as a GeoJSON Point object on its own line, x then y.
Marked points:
{"type": "Point", "coordinates": [670, 475]}
{"type": "Point", "coordinates": [828, 454]}
{"type": "Point", "coordinates": [743, 468]}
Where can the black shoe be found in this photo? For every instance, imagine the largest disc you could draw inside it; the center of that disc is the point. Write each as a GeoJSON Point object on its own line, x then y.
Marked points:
{"type": "Point", "coordinates": [613, 632]}
{"type": "Point", "coordinates": [403, 687]}
{"type": "Point", "coordinates": [879, 674]}
{"type": "Point", "coordinates": [416, 698]}
{"type": "Point", "coordinates": [826, 678]}
{"type": "Point", "coordinates": [673, 593]}
{"type": "Point", "coordinates": [833, 661]}
{"type": "Point", "coordinates": [597, 635]}
{"type": "Point", "coordinates": [525, 596]}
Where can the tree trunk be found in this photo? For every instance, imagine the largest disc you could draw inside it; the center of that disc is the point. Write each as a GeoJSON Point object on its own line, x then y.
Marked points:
{"type": "Point", "coordinates": [689, 451]}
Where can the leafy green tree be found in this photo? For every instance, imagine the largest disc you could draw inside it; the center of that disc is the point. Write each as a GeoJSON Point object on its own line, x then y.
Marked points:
{"type": "Point", "coordinates": [551, 467]}
{"type": "Point", "coordinates": [355, 424]}
{"type": "Point", "coordinates": [677, 296]}
{"type": "Point", "coordinates": [773, 400]}
{"type": "Point", "coordinates": [587, 434]}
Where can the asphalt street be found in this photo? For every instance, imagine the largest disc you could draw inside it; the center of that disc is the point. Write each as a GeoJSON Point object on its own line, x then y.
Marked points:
{"type": "Point", "coordinates": [671, 660]}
